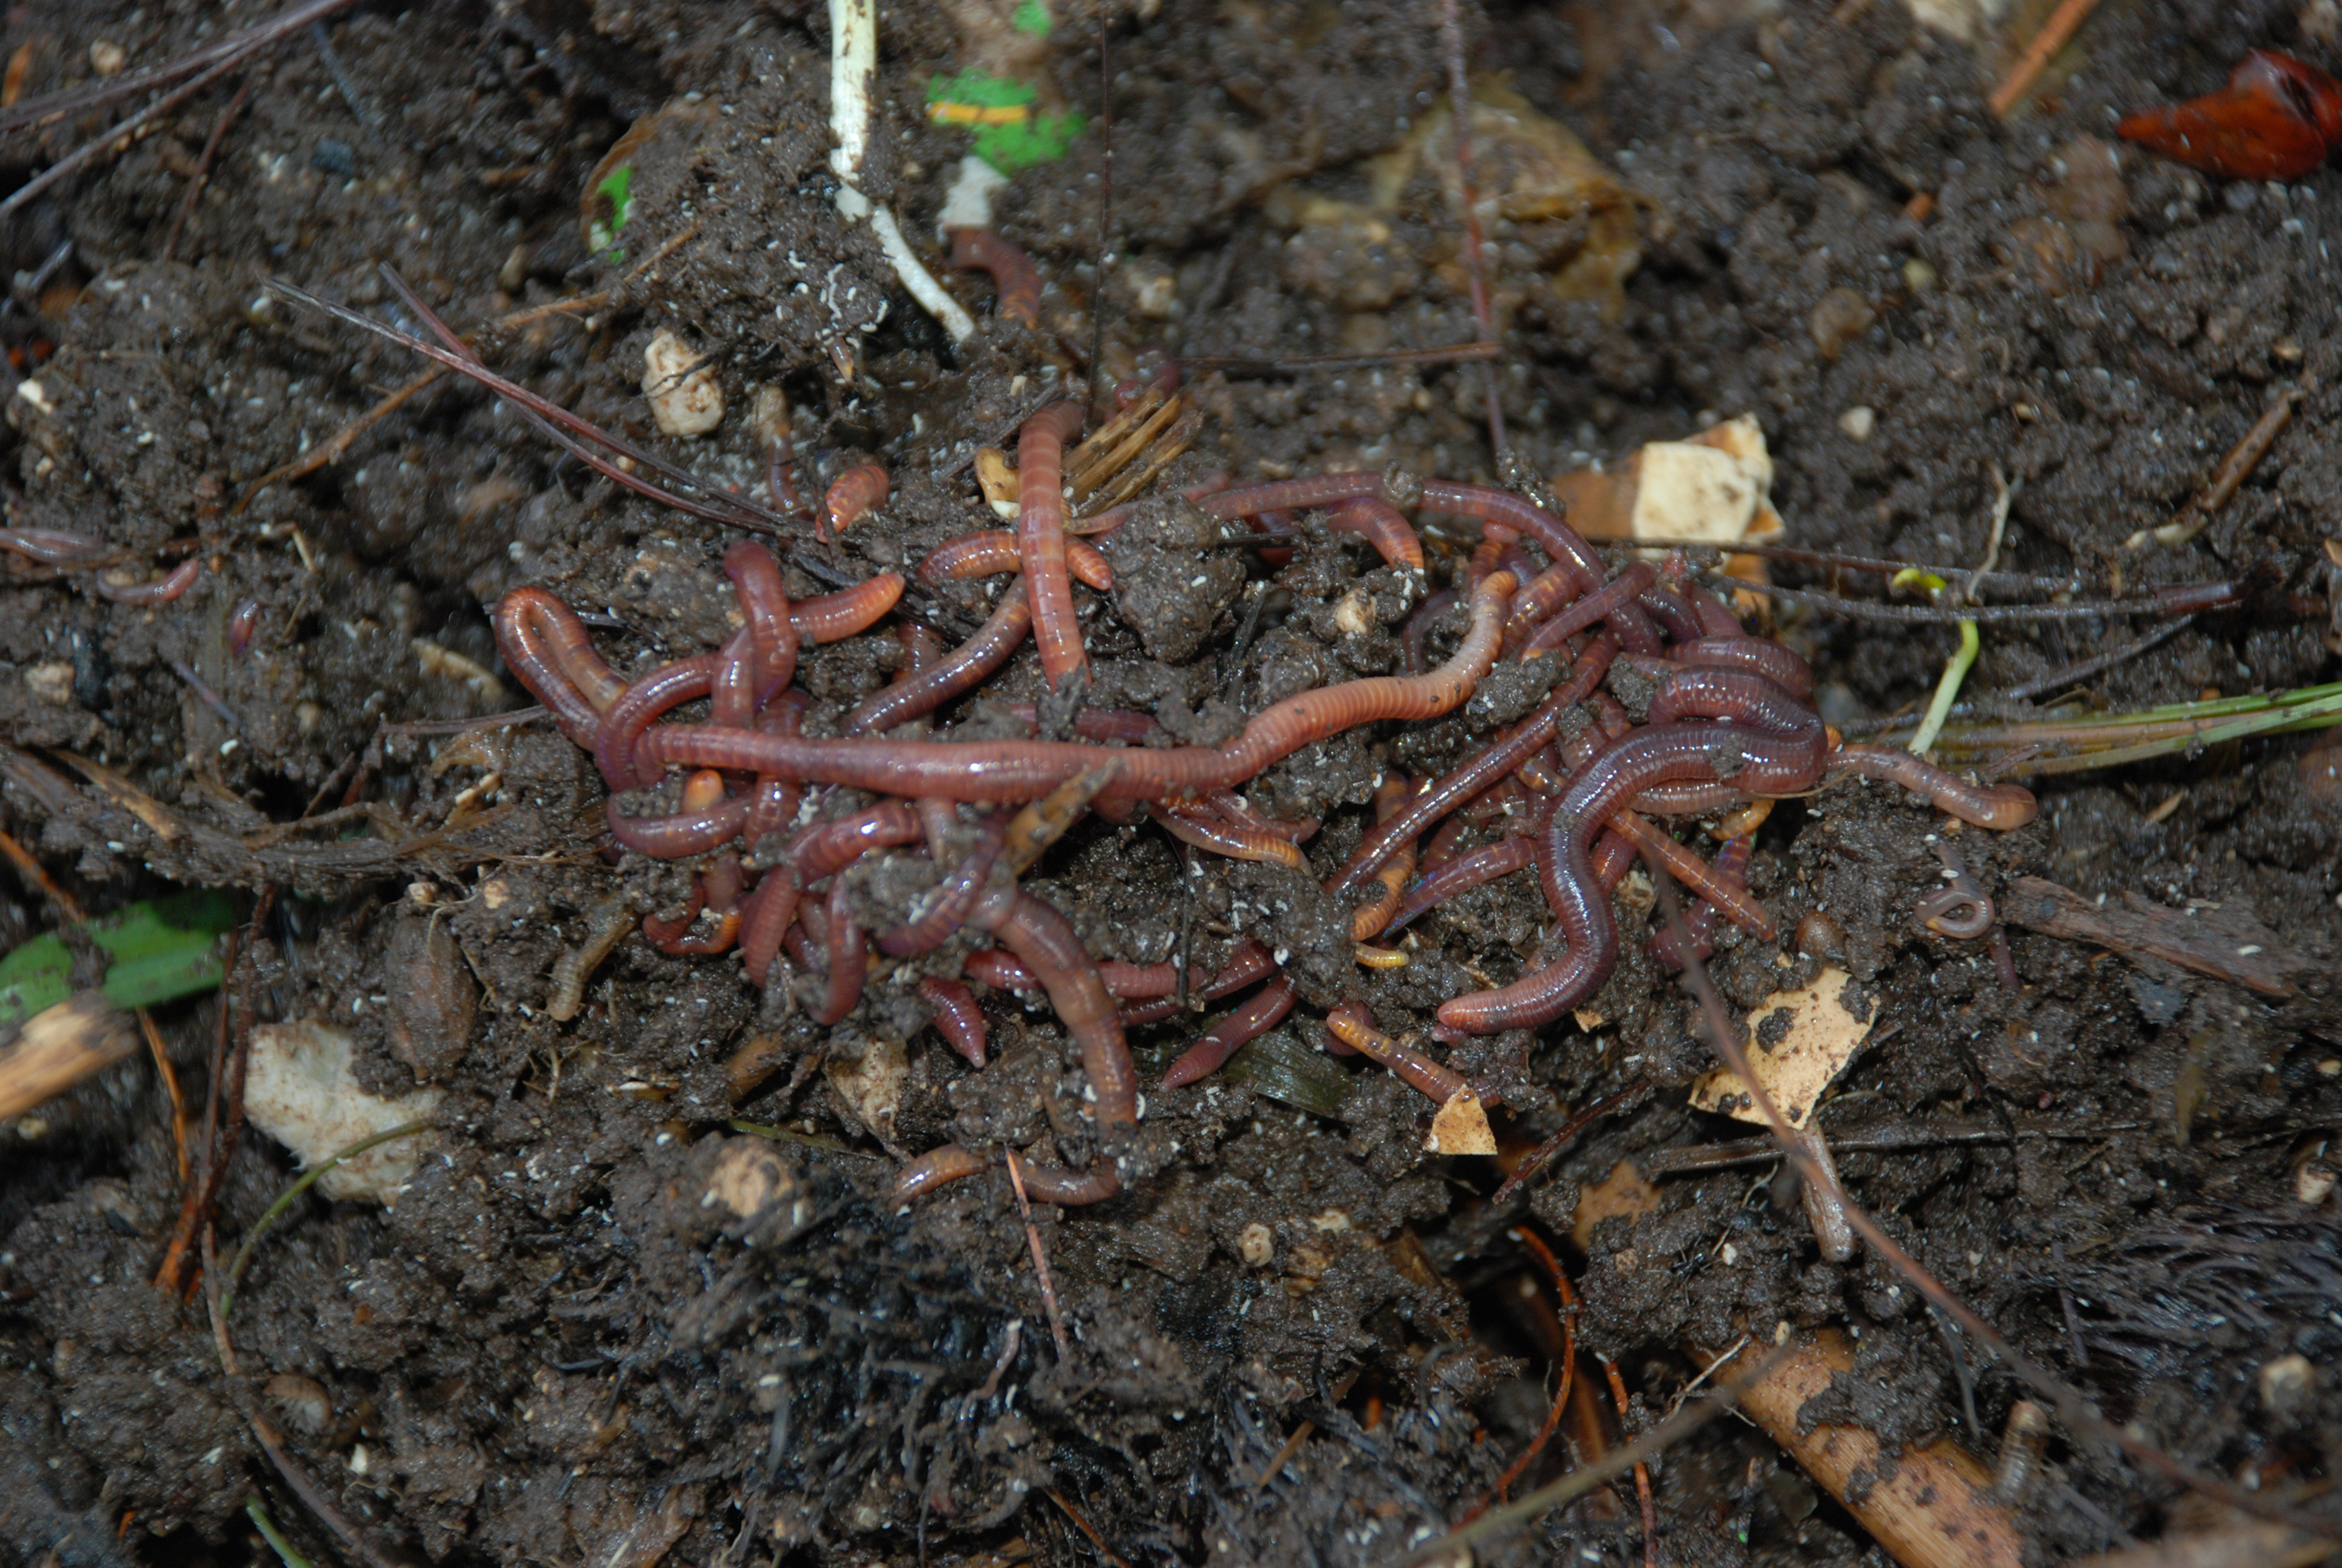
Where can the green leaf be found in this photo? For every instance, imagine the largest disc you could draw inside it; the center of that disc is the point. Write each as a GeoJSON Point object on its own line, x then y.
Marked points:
{"type": "Point", "coordinates": [1281, 1067]}
{"type": "Point", "coordinates": [159, 951]}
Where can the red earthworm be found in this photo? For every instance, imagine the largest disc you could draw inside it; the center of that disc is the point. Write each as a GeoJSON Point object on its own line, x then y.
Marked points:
{"type": "Point", "coordinates": [2005, 961]}
{"type": "Point", "coordinates": [547, 647]}
{"type": "Point", "coordinates": [1041, 540]}
{"type": "Point", "coordinates": [847, 960]}
{"type": "Point", "coordinates": [953, 898]}
{"type": "Point", "coordinates": [851, 495]}
{"type": "Point", "coordinates": [1255, 1017]}
{"type": "Point", "coordinates": [1071, 1189]}
{"type": "Point", "coordinates": [781, 474]}
{"type": "Point", "coordinates": [1726, 893]}
{"type": "Point", "coordinates": [775, 803]}
{"type": "Point", "coordinates": [1487, 555]}
{"type": "Point", "coordinates": [802, 945]}
{"type": "Point", "coordinates": [717, 892]}
{"type": "Point", "coordinates": [938, 1167]}
{"type": "Point", "coordinates": [1046, 943]}
{"type": "Point", "coordinates": [922, 649]}
{"type": "Point", "coordinates": [1604, 603]}
{"type": "Point", "coordinates": [966, 667]}
{"type": "Point", "coordinates": [1773, 745]}
{"type": "Point", "coordinates": [771, 906]}
{"type": "Point", "coordinates": [958, 1018]}
{"type": "Point", "coordinates": [1673, 612]}
{"type": "Point", "coordinates": [1731, 868]}
{"type": "Point", "coordinates": [1369, 919]}
{"type": "Point", "coordinates": [994, 551]}
{"type": "Point", "coordinates": [240, 625]}
{"type": "Point", "coordinates": [1541, 772]}
{"type": "Point", "coordinates": [639, 706]}
{"type": "Point", "coordinates": [764, 600]}
{"type": "Point", "coordinates": [1291, 494]}
{"type": "Point", "coordinates": [1418, 627]}
{"type": "Point", "coordinates": [1099, 723]}
{"type": "Point", "coordinates": [1247, 961]}
{"type": "Point", "coordinates": [1514, 852]}
{"type": "Point", "coordinates": [1353, 1026]}
{"type": "Point", "coordinates": [161, 591]}
{"type": "Point", "coordinates": [1743, 822]}
{"type": "Point", "coordinates": [821, 850]}
{"type": "Point", "coordinates": [660, 933]}
{"type": "Point", "coordinates": [1020, 769]}
{"type": "Point", "coordinates": [1016, 287]}
{"type": "Point", "coordinates": [1562, 543]}
{"type": "Point", "coordinates": [832, 617]}
{"type": "Point", "coordinates": [1165, 378]}
{"type": "Point", "coordinates": [1780, 666]}
{"type": "Point", "coordinates": [1228, 838]}
{"type": "Point", "coordinates": [1548, 592]}
{"type": "Point", "coordinates": [1138, 982]}
{"type": "Point", "coordinates": [703, 791]}
{"type": "Point", "coordinates": [1500, 801]}
{"type": "Point", "coordinates": [732, 689]}
{"type": "Point", "coordinates": [1044, 822]}
{"type": "Point", "coordinates": [1499, 759]}
{"type": "Point", "coordinates": [1940, 909]}
{"type": "Point", "coordinates": [53, 546]}
{"type": "Point", "coordinates": [1442, 844]}
{"type": "Point", "coordinates": [1237, 810]}
{"type": "Point", "coordinates": [998, 969]}
{"type": "Point", "coordinates": [676, 836]}
{"type": "Point", "coordinates": [1379, 524]}
{"type": "Point", "coordinates": [1614, 858]}
{"type": "Point", "coordinates": [2005, 808]}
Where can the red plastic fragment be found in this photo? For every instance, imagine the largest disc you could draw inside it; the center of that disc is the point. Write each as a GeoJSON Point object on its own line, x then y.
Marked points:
{"type": "Point", "coordinates": [2276, 119]}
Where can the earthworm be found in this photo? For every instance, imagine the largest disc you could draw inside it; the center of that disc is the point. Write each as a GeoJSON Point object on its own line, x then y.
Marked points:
{"type": "Point", "coordinates": [1291, 494]}
{"type": "Point", "coordinates": [1071, 1189]}
{"type": "Point", "coordinates": [1044, 822]}
{"type": "Point", "coordinates": [1516, 852]}
{"type": "Point", "coordinates": [1548, 592]}
{"type": "Point", "coordinates": [1614, 858]}
{"type": "Point", "coordinates": [1496, 761]}
{"type": "Point", "coordinates": [640, 706]}
{"type": "Point", "coordinates": [1098, 523]}
{"type": "Point", "coordinates": [951, 901]}
{"type": "Point", "coordinates": [1960, 908]}
{"type": "Point", "coordinates": [1041, 540]}
{"type": "Point", "coordinates": [1369, 919]}
{"type": "Point", "coordinates": [958, 1018]}
{"type": "Point", "coordinates": [2005, 808]}
{"type": "Point", "coordinates": [1729, 869]}
{"type": "Point", "coordinates": [966, 667]}
{"type": "Point", "coordinates": [1255, 1017]}
{"type": "Point", "coordinates": [1418, 627]}
{"type": "Point", "coordinates": [1000, 969]}
{"type": "Point", "coordinates": [768, 909]}
{"type": "Point", "coordinates": [1231, 839]}
{"type": "Point", "coordinates": [1353, 1026]}
{"type": "Point", "coordinates": [240, 625]}
{"type": "Point", "coordinates": [1743, 822]}
{"type": "Point", "coordinates": [1248, 962]}
{"type": "Point", "coordinates": [847, 959]}
{"type": "Point", "coordinates": [764, 600]}
{"type": "Point", "coordinates": [1780, 666]}
{"type": "Point", "coordinates": [781, 474]}
{"type": "Point", "coordinates": [1607, 603]}
{"type": "Point", "coordinates": [2005, 961]}
{"type": "Point", "coordinates": [1442, 846]}
{"type": "Point", "coordinates": [1138, 982]}
{"type": "Point", "coordinates": [820, 850]}
{"type": "Point", "coordinates": [1674, 613]}
{"type": "Point", "coordinates": [161, 591]}
{"type": "Point", "coordinates": [718, 891]}
{"type": "Point", "coordinates": [1379, 524]}
{"type": "Point", "coordinates": [683, 834]}
{"type": "Point", "coordinates": [606, 924]}
{"type": "Point", "coordinates": [1016, 287]}
{"type": "Point", "coordinates": [1046, 943]}
{"type": "Point", "coordinates": [938, 1167]}
{"type": "Point", "coordinates": [1722, 892]}
{"type": "Point", "coordinates": [993, 551]}
{"type": "Point", "coordinates": [206, 694]}
{"type": "Point", "coordinates": [1561, 542]}
{"type": "Point", "coordinates": [851, 494]}
{"type": "Point", "coordinates": [832, 617]}
{"type": "Point", "coordinates": [732, 690]}
{"type": "Point", "coordinates": [775, 803]}
{"type": "Point", "coordinates": [1021, 770]}
{"type": "Point", "coordinates": [547, 647]}
{"type": "Point", "coordinates": [53, 546]}
{"type": "Point", "coordinates": [1773, 745]}
{"type": "Point", "coordinates": [1237, 810]}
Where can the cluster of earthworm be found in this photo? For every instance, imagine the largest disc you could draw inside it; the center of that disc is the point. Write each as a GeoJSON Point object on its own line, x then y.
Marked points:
{"type": "Point", "coordinates": [76, 552]}
{"type": "Point", "coordinates": [1664, 706]}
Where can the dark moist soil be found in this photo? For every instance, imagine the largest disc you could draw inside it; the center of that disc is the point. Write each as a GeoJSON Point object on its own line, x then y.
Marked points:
{"type": "Point", "coordinates": [560, 1347]}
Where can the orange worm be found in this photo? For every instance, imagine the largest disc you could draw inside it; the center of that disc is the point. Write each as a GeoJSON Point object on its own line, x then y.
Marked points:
{"type": "Point", "coordinates": [834, 617]}
{"type": "Point", "coordinates": [1367, 921]}
{"type": "Point", "coordinates": [851, 494]}
{"type": "Point", "coordinates": [1353, 1026]}
{"type": "Point", "coordinates": [938, 1167]}
{"type": "Point", "coordinates": [1234, 840]}
{"type": "Point", "coordinates": [1041, 540]}
{"type": "Point", "coordinates": [993, 551]}
{"type": "Point", "coordinates": [1016, 286]}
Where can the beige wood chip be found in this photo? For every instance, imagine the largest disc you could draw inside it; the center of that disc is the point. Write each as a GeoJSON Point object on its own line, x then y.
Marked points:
{"type": "Point", "coordinates": [1822, 1037]}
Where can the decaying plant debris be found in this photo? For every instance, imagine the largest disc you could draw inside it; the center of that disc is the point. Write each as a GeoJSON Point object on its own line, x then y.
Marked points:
{"type": "Point", "coordinates": [643, 1291]}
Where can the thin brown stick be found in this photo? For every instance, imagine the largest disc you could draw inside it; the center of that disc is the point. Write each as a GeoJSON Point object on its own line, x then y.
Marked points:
{"type": "Point", "coordinates": [38, 875]}
{"type": "Point", "coordinates": [333, 450]}
{"type": "Point", "coordinates": [2055, 34]}
{"type": "Point", "coordinates": [2097, 663]}
{"type": "Point", "coordinates": [162, 1070]}
{"type": "Point", "coordinates": [1285, 1451]}
{"type": "Point", "coordinates": [602, 296]}
{"type": "Point", "coordinates": [2076, 1411]}
{"type": "Point", "coordinates": [2235, 469]}
{"type": "Point", "coordinates": [170, 1273]}
{"type": "Point", "coordinates": [122, 134]}
{"type": "Point", "coordinates": [1040, 1259]}
{"type": "Point", "coordinates": [1542, 1156]}
{"type": "Point", "coordinates": [1642, 1471]}
{"type": "Point", "coordinates": [1087, 1529]}
{"type": "Point", "coordinates": [1295, 364]}
{"type": "Point", "coordinates": [202, 173]}
{"type": "Point", "coordinates": [1459, 100]}
{"type": "Point", "coordinates": [54, 106]}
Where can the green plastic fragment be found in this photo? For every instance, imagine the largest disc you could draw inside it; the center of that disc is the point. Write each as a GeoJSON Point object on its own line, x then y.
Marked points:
{"type": "Point", "coordinates": [1010, 133]}
{"type": "Point", "coordinates": [158, 951]}
{"type": "Point", "coordinates": [618, 186]}
{"type": "Point", "coordinates": [1032, 17]}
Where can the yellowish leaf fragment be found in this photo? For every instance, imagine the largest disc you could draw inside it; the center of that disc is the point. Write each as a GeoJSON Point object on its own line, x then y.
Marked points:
{"type": "Point", "coordinates": [1822, 1037]}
